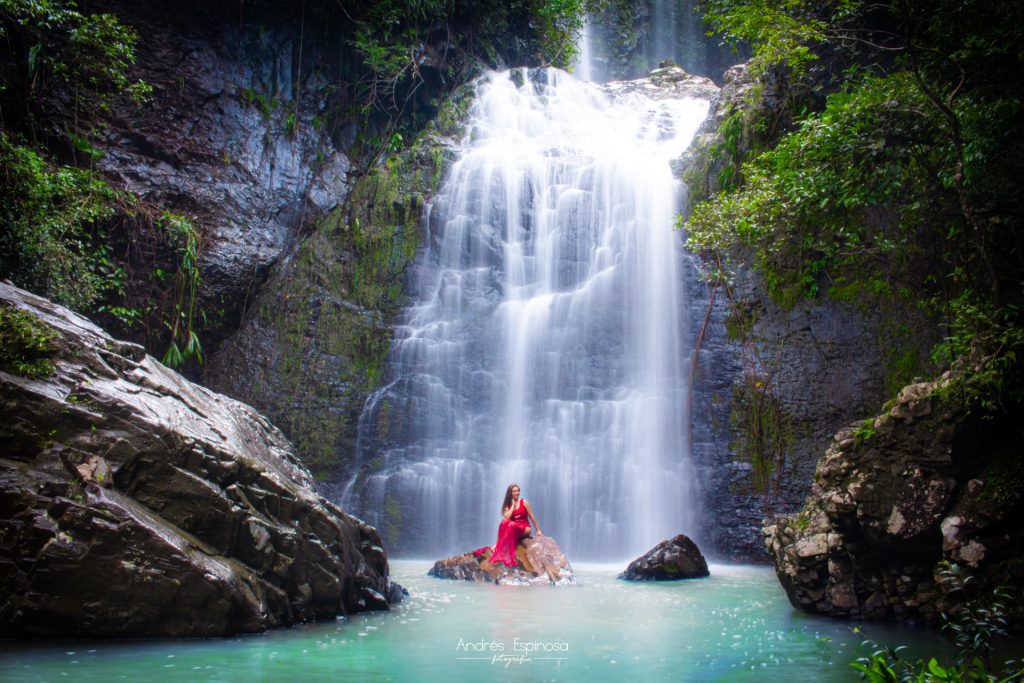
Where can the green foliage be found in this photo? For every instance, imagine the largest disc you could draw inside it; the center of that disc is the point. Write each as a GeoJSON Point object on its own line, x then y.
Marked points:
{"type": "Point", "coordinates": [989, 339]}
{"type": "Point", "coordinates": [56, 239]}
{"type": "Point", "coordinates": [783, 33]}
{"type": "Point", "coordinates": [974, 626]}
{"type": "Point", "coordinates": [91, 54]}
{"type": "Point", "coordinates": [802, 520]}
{"type": "Point", "coordinates": [559, 23]}
{"type": "Point", "coordinates": [392, 37]}
{"type": "Point", "coordinates": [817, 210]}
{"type": "Point", "coordinates": [904, 185]}
{"type": "Point", "coordinates": [763, 430]}
{"type": "Point", "coordinates": [865, 431]}
{"type": "Point", "coordinates": [26, 343]}
{"type": "Point", "coordinates": [185, 238]}
{"type": "Point", "coordinates": [53, 228]}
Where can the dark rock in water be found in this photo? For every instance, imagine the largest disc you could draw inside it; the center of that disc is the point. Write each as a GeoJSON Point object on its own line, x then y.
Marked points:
{"type": "Point", "coordinates": [136, 503]}
{"type": "Point", "coordinates": [541, 561]}
{"type": "Point", "coordinates": [676, 558]}
{"type": "Point", "coordinates": [896, 496]}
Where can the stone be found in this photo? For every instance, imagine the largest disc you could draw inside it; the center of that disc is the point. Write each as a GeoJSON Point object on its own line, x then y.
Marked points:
{"type": "Point", "coordinates": [540, 560]}
{"type": "Point", "coordinates": [235, 139]}
{"type": "Point", "coordinates": [676, 558]}
{"type": "Point", "coordinates": [899, 504]}
{"type": "Point", "coordinates": [137, 503]}
{"type": "Point", "coordinates": [667, 82]}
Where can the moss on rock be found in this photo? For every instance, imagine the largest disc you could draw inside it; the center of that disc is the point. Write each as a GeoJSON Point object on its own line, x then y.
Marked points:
{"type": "Point", "coordinates": [317, 344]}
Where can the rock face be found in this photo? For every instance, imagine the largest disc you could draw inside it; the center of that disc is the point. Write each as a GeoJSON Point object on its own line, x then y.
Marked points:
{"type": "Point", "coordinates": [664, 83]}
{"type": "Point", "coordinates": [541, 561]}
{"type": "Point", "coordinates": [315, 345]}
{"type": "Point", "coordinates": [237, 137]}
{"type": "Point", "coordinates": [139, 504]}
{"type": "Point", "coordinates": [760, 368]}
{"type": "Point", "coordinates": [676, 558]}
{"type": "Point", "coordinates": [893, 497]}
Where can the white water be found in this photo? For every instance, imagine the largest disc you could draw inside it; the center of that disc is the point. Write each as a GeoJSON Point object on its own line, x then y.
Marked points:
{"type": "Point", "coordinates": [585, 67]}
{"type": "Point", "coordinates": [663, 43]}
{"type": "Point", "coordinates": [550, 342]}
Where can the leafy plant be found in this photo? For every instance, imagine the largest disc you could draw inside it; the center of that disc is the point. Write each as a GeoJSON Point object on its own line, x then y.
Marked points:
{"type": "Point", "coordinates": [26, 343]}
{"type": "Point", "coordinates": [53, 227]}
{"type": "Point", "coordinates": [865, 431]}
{"type": "Point", "coordinates": [51, 41]}
{"type": "Point", "coordinates": [181, 322]}
{"type": "Point", "coordinates": [974, 625]}
{"type": "Point", "coordinates": [904, 184]}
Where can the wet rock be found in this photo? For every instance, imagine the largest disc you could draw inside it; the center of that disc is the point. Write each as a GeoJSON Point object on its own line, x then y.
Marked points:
{"type": "Point", "coordinates": [139, 504]}
{"type": "Point", "coordinates": [541, 561]}
{"type": "Point", "coordinates": [313, 347]}
{"type": "Point", "coordinates": [237, 138]}
{"type": "Point", "coordinates": [936, 483]}
{"type": "Point", "coordinates": [676, 558]}
{"type": "Point", "coordinates": [667, 82]}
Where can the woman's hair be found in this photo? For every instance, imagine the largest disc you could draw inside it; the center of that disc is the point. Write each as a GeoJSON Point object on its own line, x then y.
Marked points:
{"type": "Point", "coordinates": [508, 496]}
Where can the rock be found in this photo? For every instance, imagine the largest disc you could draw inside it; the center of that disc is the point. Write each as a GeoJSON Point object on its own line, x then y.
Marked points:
{"type": "Point", "coordinates": [541, 561]}
{"type": "Point", "coordinates": [667, 82]}
{"type": "Point", "coordinates": [236, 139]}
{"type": "Point", "coordinates": [938, 483]}
{"type": "Point", "coordinates": [676, 558]}
{"type": "Point", "coordinates": [139, 504]}
{"type": "Point", "coordinates": [314, 347]}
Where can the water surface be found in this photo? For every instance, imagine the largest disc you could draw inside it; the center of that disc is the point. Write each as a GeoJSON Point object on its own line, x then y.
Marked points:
{"type": "Point", "coordinates": [736, 625]}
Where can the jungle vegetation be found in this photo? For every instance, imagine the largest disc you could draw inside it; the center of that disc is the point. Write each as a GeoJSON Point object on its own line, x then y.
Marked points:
{"type": "Point", "coordinates": [890, 172]}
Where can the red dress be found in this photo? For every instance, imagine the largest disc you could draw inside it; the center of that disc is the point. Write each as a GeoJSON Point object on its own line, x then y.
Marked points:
{"type": "Point", "coordinates": [509, 532]}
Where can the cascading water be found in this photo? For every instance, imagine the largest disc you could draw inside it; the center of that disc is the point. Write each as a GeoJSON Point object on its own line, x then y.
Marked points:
{"type": "Point", "coordinates": [550, 342]}
{"type": "Point", "coordinates": [662, 42]}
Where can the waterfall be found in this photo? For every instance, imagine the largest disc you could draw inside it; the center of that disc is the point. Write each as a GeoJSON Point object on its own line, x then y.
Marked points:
{"type": "Point", "coordinates": [550, 338]}
{"type": "Point", "coordinates": [585, 67]}
{"type": "Point", "coordinates": [662, 43]}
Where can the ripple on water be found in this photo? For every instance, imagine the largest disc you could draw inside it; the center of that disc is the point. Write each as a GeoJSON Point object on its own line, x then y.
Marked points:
{"type": "Point", "coordinates": [735, 625]}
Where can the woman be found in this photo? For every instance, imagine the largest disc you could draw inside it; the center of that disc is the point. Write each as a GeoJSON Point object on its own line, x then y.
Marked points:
{"type": "Point", "coordinates": [513, 527]}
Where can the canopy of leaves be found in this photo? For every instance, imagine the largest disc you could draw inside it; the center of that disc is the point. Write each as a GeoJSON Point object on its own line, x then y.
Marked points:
{"type": "Point", "coordinates": [48, 42]}
{"type": "Point", "coordinates": [907, 181]}
{"type": "Point", "coordinates": [396, 39]}
{"type": "Point", "coordinates": [52, 227]}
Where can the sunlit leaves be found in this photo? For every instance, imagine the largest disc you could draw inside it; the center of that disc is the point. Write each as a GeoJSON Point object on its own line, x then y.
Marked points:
{"type": "Point", "coordinates": [783, 33]}
{"type": "Point", "coordinates": [803, 207]}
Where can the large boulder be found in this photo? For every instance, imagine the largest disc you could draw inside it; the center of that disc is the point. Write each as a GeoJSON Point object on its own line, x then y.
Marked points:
{"type": "Point", "coordinates": [666, 82]}
{"type": "Point", "coordinates": [540, 559]}
{"type": "Point", "coordinates": [897, 501]}
{"type": "Point", "coordinates": [676, 558]}
{"type": "Point", "coordinates": [136, 503]}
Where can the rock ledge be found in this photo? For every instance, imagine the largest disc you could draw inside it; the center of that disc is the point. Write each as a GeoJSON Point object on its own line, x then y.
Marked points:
{"type": "Point", "coordinates": [139, 504]}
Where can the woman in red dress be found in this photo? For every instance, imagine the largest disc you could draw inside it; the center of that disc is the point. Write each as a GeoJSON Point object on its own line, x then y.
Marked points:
{"type": "Point", "coordinates": [513, 527]}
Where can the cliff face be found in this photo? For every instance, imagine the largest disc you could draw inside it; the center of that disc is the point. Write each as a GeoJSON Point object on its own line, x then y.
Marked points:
{"type": "Point", "coordinates": [924, 482]}
{"type": "Point", "coordinates": [139, 504]}
{"type": "Point", "coordinates": [244, 134]}
{"type": "Point", "coordinates": [314, 346]}
{"type": "Point", "coordinates": [771, 381]}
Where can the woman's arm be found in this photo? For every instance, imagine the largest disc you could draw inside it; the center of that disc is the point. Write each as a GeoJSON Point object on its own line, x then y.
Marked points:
{"type": "Point", "coordinates": [533, 520]}
{"type": "Point", "coordinates": [507, 512]}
